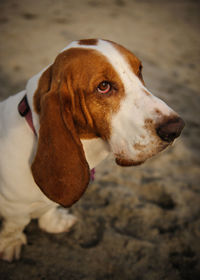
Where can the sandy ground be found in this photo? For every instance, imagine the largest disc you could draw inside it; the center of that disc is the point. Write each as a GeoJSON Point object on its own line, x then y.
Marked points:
{"type": "Point", "coordinates": [137, 223]}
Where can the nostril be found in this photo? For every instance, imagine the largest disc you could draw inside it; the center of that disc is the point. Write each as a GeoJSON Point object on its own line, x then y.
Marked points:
{"type": "Point", "coordinates": [170, 129]}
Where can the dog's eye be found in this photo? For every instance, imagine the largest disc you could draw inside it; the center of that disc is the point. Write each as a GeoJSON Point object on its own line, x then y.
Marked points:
{"type": "Point", "coordinates": [104, 87]}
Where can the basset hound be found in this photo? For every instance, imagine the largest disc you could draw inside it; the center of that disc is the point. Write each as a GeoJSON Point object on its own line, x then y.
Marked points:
{"type": "Point", "coordinates": [90, 102]}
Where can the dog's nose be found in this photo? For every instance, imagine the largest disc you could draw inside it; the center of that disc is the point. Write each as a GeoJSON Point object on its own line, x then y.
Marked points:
{"type": "Point", "coordinates": [171, 129]}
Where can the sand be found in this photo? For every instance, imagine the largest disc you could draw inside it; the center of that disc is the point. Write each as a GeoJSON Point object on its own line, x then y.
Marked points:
{"type": "Point", "coordinates": [137, 223]}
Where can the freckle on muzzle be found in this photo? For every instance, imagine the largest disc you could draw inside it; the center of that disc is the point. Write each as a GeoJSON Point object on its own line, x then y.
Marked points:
{"type": "Point", "coordinates": [171, 129]}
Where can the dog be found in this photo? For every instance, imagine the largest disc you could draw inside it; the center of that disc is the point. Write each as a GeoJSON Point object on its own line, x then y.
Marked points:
{"type": "Point", "coordinates": [92, 101]}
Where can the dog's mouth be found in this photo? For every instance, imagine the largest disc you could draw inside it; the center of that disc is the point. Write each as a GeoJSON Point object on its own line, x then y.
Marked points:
{"type": "Point", "coordinates": [140, 154]}
{"type": "Point", "coordinates": [126, 162]}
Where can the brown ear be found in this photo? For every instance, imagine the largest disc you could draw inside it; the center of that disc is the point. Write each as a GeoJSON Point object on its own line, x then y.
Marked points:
{"type": "Point", "coordinates": [59, 167]}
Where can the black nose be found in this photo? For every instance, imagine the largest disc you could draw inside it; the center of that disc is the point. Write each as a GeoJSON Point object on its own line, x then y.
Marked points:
{"type": "Point", "coordinates": [171, 129]}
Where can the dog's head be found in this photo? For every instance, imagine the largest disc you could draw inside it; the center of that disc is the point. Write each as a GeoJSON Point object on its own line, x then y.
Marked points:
{"type": "Point", "coordinates": [95, 89]}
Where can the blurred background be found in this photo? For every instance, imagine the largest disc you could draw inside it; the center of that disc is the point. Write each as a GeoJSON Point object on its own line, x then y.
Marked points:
{"type": "Point", "coordinates": [134, 223]}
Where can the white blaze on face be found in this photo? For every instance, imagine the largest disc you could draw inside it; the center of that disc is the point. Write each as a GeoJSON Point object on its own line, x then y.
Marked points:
{"type": "Point", "coordinates": [134, 137]}
{"type": "Point", "coordinates": [133, 127]}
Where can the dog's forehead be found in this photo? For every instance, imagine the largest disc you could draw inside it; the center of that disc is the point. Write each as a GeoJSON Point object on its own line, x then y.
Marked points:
{"type": "Point", "coordinates": [122, 60]}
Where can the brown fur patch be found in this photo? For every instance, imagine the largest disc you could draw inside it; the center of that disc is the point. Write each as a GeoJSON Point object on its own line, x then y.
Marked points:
{"type": "Point", "coordinates": [77, 73]}
{"type": "Point", "coordinates": [59, 167]}
{"type": "Point", "coordinates": [70, 107]}
{"type": "Point", "coordinates": [43, 87]}
{"type": "Point", "coordinates": [91, 42]}
{"type": "Point", "coordinates": [80, 72]}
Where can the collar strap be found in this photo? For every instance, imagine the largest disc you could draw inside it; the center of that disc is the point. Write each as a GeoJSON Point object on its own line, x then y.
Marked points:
{"type": "Point", "coordinates": [92, 174]}
{"type": "Point", "coordinates": [25, 111]}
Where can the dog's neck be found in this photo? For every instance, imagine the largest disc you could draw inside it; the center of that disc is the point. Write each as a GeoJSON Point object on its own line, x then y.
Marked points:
{"type": "Point", "coordinates": [95, 149]}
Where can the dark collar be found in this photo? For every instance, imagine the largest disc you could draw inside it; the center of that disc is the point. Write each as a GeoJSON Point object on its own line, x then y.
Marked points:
{"type": "Point", "coordinates": [25, 111]}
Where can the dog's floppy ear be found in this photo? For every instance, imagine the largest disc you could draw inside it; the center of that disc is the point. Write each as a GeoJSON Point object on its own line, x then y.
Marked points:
{"type": "Point", "coordinates": [59, 168]}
